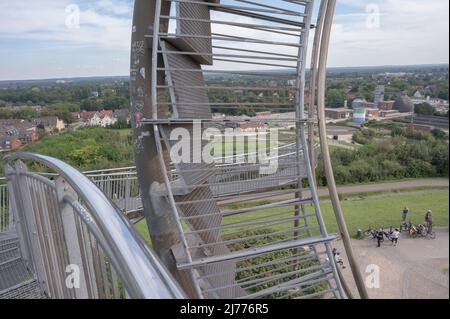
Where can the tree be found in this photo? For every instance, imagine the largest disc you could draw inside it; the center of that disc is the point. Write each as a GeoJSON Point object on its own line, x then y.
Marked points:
{"type": "Point", "coordinates": [64, 107]}
{"type": "Point", "coordinates": [439, 134]}
{"type": "Point", "coordinates": [417, 168]}
{"type": "Point", "coordinates": [336, 98]}
{"type": "Point", "coordinates": [114, 102]}
{"type": "Point", "coordinates": [91, 105]}
{"type": "Point", "coordinates": [440, 159]}
{"type": "Point", "coordinates": [424, 109]}
{"type": "Point", "coordinates": [120, 124]}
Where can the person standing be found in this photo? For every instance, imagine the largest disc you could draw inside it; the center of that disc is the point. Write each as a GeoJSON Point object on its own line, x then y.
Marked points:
{"type": "Point", "coordinates": [405, 214]}
{"type": "Point", "coordinates": [338, 259]}
{"type": "Point", "coordinates": [429, 221]}
{"type": "Point", "coordinates": [395, 236]}
{"type": "Point", "coordinates": [380, 237]}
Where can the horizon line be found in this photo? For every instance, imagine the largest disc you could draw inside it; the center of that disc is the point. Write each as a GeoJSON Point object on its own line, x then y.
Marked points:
{"type": "Point", "coordinates": [328, 68]}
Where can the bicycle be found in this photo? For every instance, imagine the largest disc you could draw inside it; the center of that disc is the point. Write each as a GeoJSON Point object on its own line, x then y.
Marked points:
{"type": "Point", "coordinates": [388, 234]}
{"type": "Point", "coordinates": [424, 232]}
{"type": "Point", "coordinates": [370, 233]}
{"type": "Point", "coordinates": [404, 226]}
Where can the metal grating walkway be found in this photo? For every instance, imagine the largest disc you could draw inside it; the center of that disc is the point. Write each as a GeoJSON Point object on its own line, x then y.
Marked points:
{"type": "Point", "coordinates": [16, 281]}
{"type": "Point", "coordinates": [27, 290]}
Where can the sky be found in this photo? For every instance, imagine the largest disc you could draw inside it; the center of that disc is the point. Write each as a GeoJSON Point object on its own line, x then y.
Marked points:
{"type": "Point", "coordinates": [42, 39]}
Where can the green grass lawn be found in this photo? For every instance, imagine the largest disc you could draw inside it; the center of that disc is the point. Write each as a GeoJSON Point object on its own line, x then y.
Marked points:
{"type": "Point", "coordinates": [387, 211]}
{"type": "Point", "coordinates": [378, 212]}
{"type": "Point", "coordinates": [141, 227]}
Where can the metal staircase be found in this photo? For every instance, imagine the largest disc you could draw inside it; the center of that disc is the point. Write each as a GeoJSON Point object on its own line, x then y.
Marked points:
{"type": "Point", "coordinates": [263, 248]}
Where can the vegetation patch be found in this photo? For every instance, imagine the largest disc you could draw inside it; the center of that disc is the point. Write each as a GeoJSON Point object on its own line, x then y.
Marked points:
{"type": "Point", "coordinates": [88, 148]}
{"type": "Point", "coordinates": [405, 153]}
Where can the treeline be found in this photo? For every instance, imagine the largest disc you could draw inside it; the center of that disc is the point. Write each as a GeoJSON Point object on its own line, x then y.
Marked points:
{"type": "Point", "coordinates": [390, 151]}
{"type": "Point", "coordinates": [427, 109]}
{"type": "Point", "coordinates": [363, 85]}
{"type": "Point", "coordinates": [89, 97]}
{"type": "Point", "coordinates": [407, 154]}
{"type": "Point", "coordinates": [61, 110]}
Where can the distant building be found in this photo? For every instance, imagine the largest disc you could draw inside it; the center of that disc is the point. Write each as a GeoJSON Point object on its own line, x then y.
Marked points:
{"type": "Point", "coordinates": [358, 103]}
{"type": "Point", "coordinates": [28, 136]}
{"type": "Point", "coordinates": [9, 143]}
{"type": "Point", "coordinates": [49, 123]}
{"type": "Point", "coordinates": [249, 127]}
{"type": "Point", "coordinates": [439, 104]}
{"type": "Point", "coordinates": [359, 115]}
{"type": "Point", "coordinates": [378, 94]}
{"type": "Point", "coordinates": [284, 120]}
{"type": "Point", "coordinates": [369, 105]}
{"type": "Point", "coordinates": [404, 104]}
{"type": "Point", "coordinates": [372, 113]}
{"type": "Point", "coordinates": [24, 130]}
{"type": "Point", "coordinates": [386, 105]}
{"type": "Point", "coordinates": [418, 95]}
{"type": "Point", "coordinates": [218, 116]}
{"type": "Point", "coordinates": [98, 118]}
{"type": "Point", "coordinates": [338, 114]}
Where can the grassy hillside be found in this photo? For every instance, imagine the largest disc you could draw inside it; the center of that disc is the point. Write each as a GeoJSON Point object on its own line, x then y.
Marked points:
{"type": "Point", "coordinates": [88, 148]}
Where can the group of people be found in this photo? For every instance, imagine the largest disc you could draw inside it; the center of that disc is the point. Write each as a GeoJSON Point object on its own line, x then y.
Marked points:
{"type": "Point", "coordinates": [395, 234]}
{"type": "Point", "coordinates": [428, 218]}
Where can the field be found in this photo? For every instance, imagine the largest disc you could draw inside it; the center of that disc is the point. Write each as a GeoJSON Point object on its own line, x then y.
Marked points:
{"type": "Point", "coordinates": [386, 211]}
{"type": "Point", "coordinates": [379, 211]}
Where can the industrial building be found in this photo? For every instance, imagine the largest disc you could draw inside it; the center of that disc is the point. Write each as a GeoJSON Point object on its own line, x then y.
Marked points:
{"type": "Point", "coordinates": [358, 103]}
{"type": "Point", "coordinates": [378, 94]}
{"type": "Point", "coordinates": [339, 113]}
{"type": "Point", "coordinates": [359, 115]}
{"type": "Point", "coordinates": [372, 113]}
{"type": "Point", "coordinates": [386, 105]}
{"type": "Point", "coordinates": [404, 104]}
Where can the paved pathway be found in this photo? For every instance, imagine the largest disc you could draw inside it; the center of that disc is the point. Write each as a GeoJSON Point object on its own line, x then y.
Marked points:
{"type": "Point", "coordinates": [415, 269]}
{"type": "Point", "coordinates": [348, 189]}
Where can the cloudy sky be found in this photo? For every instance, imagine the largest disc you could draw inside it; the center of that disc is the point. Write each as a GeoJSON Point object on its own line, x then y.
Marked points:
{"type": "Point", "coordinates": [36, 42]}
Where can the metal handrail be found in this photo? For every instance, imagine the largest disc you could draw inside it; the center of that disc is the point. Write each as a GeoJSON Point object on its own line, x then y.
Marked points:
{"type": "Point", "coordinates": [141, 271]}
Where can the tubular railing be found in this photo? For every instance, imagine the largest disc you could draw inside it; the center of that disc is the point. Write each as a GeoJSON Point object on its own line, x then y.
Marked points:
{"type": "Point", "coordinates": [75, 240]}
{"type": "Point", "coordinates": [118, 184]}
{"type": "Point", "coordinates": [121, 184]}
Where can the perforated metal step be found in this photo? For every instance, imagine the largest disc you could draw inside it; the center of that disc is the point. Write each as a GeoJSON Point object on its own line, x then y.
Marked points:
{"type": "Point", "coordinates": [27, 290]}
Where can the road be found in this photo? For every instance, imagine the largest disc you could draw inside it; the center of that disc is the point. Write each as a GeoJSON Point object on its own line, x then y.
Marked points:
{"type": "Point", "coordinates": [415, 269]}
{"type": "Point", "coordinates": [276, 195]}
